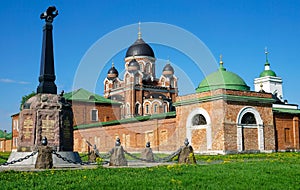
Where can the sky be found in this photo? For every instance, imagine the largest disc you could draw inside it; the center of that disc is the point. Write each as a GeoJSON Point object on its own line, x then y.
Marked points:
{"type": "Point", "coordinates": [238, 29]}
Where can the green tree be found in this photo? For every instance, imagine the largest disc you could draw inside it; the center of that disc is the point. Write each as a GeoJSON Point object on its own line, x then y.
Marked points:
{"type": "Point", "coordinates": [25, 98]}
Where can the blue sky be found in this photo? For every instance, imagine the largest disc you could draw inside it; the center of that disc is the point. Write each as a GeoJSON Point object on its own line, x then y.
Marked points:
{"type": "Point", "coordinates": [239, 30]}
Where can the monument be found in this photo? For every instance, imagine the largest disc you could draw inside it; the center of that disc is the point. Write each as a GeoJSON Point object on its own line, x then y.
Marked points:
{"type": "Point", "coordinates": [46, 114]}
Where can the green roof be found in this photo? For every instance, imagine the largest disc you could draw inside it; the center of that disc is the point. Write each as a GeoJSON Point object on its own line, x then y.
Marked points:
{"type": "Point", "coordinates": [7, 136]}
{"type": "Point", "coordinates": [267, 73]}
{"type": "Point", "coordinates": [222, 79]}
{"type": "Point", "coordinates": [286, 110]}
{"type": "Point", "coordinates": [128, 120]}
{"type": "Point", "coordinates": [83, 95]}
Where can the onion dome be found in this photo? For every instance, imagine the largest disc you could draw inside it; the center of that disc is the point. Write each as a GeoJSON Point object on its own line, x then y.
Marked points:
{"type": "Point", "coordinates": [112, 72]}
{"type": "Point", "coordinates": [267, 71]}
{"type": "Point", "coordinates": [222, 79]}
{"type": "Point", "coordinates": [139, 47]}
{"type": "Point", "coordinates": [168, 70]}
{"type": "Point", "coordinates": [133, 65]}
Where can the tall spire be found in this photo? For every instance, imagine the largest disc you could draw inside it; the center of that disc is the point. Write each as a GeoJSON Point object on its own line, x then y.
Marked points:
{"type": "Point", "coordinates": [139, 31]}
{"type": "Point", "coordinates": [47, 73]}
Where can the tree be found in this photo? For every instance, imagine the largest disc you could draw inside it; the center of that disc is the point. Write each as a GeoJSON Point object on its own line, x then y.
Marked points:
{"type": "Point", "coordinates": [25, 98]}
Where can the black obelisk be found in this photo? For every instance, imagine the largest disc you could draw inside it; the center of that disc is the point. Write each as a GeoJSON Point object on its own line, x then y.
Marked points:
{"type": "Point", "coordinates": [47, 73]}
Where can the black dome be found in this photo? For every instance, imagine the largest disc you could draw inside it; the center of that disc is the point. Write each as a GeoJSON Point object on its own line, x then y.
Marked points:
{"type": "Point", "coordinates": [168, 70]}
{"type": "Point", "coordinates": [139, 48]}
{"type": "Point", "coordinates": [112, 73]}
{"type": "Point", "coordinates": [168, 67]}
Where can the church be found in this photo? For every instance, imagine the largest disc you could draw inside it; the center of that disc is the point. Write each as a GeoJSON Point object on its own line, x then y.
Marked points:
{"type": "Point", "coordinates": [223, 115]}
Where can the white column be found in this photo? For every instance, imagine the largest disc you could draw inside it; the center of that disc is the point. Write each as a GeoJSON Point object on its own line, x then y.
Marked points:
{"type": "Point", "coordinates": [208, 137]}
{"type": "Point", "coordinates": [239, 138]}
{"type": "Point", "coordinates": [261, 142]}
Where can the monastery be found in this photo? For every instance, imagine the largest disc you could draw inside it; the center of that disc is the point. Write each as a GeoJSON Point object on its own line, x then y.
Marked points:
{"type": "Point", "coordinates": [222, 116]}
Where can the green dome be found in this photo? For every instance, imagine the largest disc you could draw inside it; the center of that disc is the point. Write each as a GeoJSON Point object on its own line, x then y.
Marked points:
{"type": "Point", "coordinates": [222, 79]}
{"type": "Point", "coordinates": [267, 73]}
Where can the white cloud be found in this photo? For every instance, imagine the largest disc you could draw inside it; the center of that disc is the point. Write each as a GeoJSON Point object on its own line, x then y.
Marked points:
{"type": "Point", "coordinates": [12, 81]}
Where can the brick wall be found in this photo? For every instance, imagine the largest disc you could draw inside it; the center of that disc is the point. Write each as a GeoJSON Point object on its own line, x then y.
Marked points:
{"type": "Point", "coordinates": [160, 132]}
{"type": "Point", "coordinates": [287, 131]}
{"type": "Point", "coordinates": [82, 112]}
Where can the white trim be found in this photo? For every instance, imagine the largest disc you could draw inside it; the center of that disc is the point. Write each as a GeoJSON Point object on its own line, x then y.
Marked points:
{"type": "Point", "coordinates": [190, 127]}
{"type": "Point", "coordinates": [259, 126]}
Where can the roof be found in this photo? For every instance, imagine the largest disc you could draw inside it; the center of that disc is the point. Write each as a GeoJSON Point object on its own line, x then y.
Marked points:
{"type": "Point", "coordinates": [140, 48]}
{"type": "Point", "coordinates": [267, 73]}
{"type": "Point", "coordinates": [226, 97]}
{"type": "Point", "coordinates": [286, 110]}
{"type": "Point", "coordinates": [83, 95]}
{"type": "Point", "coordinates": [128, 120]}
{"type": "Point", "coordinates": [222, 79]}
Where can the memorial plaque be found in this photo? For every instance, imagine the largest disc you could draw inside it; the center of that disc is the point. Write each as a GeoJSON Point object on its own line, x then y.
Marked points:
{"type": "Point", "coordinates": [48, 128]}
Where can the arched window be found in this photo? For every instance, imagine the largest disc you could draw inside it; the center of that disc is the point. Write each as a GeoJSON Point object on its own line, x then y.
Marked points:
{"type": "Point", "coordinates": [116, 85]}
{"type": "Point", "coordinates": [137, 80]}
{"type": "Point", "coordinates": [148, 68]}
{"type": "Point", "coordinates": [165, 108]}
{"type": "Point", "coordinates": [199, 119]}
{"type": "Point", "coordinates": [137, 107]}
{"type": "Point", "coordinates": [155, 108]}
{"type": "Point", "coordinates": [147, 109]}
{"type": "Point", "coordinates": [248, 118]}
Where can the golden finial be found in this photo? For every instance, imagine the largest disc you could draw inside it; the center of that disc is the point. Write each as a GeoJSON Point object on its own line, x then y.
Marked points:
{"type": "Point", "coordinates": [139, 31]}
{"type": "Point", "coordinates": [221, 59]}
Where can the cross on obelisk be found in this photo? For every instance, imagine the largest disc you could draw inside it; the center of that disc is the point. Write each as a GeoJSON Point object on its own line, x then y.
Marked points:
{"type": "Point", "coordinates": [47, 73]}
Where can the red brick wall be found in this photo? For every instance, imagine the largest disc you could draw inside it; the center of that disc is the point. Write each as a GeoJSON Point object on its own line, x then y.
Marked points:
{"type": "Point", "coordinates": [287, 131]}
{"type": "Point", "coordinates": [82, 112]}
{"type": "Point", "coordinates": [161, 133]}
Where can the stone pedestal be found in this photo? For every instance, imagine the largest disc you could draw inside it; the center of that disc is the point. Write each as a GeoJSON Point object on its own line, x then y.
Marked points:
{"type": "Point", "coordinates": [44, 159]}
{"type": "Point", "coordinates": [147, 154]}
{"type": "Point", "coordinates": [46, 115]}
{"type": "Point", "coordinates": [118, 157]}
{"type": "Point", "coordinates": [186, 156]}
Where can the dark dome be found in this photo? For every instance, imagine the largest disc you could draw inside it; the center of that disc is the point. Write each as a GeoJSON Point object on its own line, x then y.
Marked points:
{"type": "Point", "coordinates": [112, 73]}
{"type": "Point", "coordinates": [133, 65]}
{"type": "Point", "coordinates": [139, 48]}
{"type": "Point", "coordinates": [168, 70]}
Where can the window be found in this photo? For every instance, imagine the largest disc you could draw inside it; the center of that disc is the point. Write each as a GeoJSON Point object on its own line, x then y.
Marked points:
{"type": "Point", "coordinates": [137, 107]}
{"type": "Point", "coordinates": [155, 108]}
{"type": "Point", "coordinates": [94, 115]}
{"type": "Point", "coordinates": [248, 118]}
{"type": "Point", "coordinates": [148, 68]}
{"type": "Point", "coordinates": [147, 109]}
{"type": "Point", "coordinates": [165, 108]}
{"type": "Point", "coordinates": [137, 80]}
{"type": "Point", "coordinates": [199, 119]}
{"type": "Point", "coordinates": [116, 85]}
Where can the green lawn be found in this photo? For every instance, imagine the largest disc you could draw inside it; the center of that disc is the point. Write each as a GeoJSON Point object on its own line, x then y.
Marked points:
{"type": "Point", "coordinates": [245, 171]}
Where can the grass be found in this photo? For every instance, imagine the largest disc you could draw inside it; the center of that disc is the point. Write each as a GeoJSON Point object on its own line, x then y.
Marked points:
{"type": "Point", "coordinates": [242, 171]}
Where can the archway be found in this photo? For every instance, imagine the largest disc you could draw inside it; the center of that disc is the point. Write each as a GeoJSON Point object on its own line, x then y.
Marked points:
{"type": "Point", "coordinates": [249, 124]}
{"type": "Point", "coordinates": [199, 119]}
